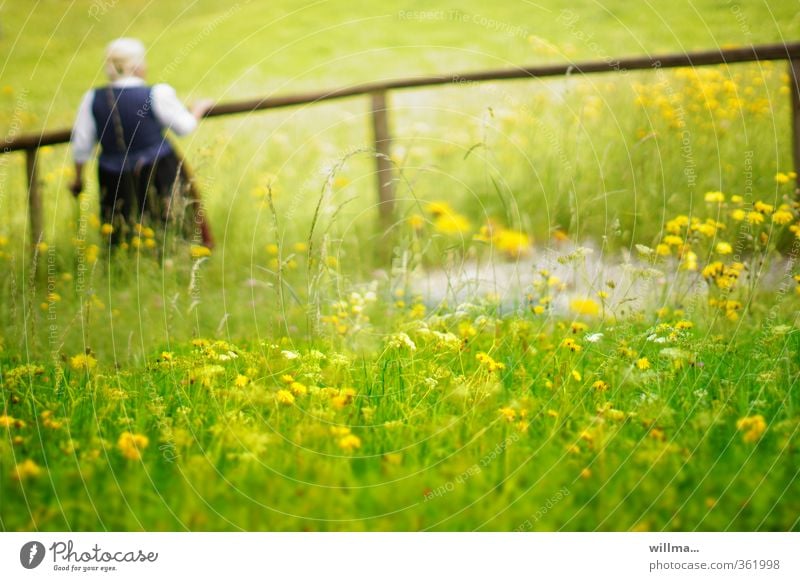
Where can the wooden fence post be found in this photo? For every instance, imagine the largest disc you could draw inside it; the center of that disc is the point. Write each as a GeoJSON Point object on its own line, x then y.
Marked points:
{"type": "Point", "coordinates": [34, 196]}
{"type": "Point", "coordinates": [794, 90]}
{"type": "Point", "coordinates": [383, 143]}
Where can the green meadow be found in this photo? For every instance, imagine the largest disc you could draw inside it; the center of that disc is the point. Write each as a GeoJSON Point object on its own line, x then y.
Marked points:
{"type": "Point", "coordinates": [317, 371]}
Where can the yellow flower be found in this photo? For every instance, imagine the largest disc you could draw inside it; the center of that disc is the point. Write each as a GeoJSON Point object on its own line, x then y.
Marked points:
{"type": "Point", "coordinates": [508, 414]}
{"type": "Point", "coordinates": [298, 388]}
{"type": "Point", "coordinates": [272, 249]}
{"type": "Point", "coordinates": [782, 217]}
{"type": "Point", "coordinates": [755, 218]}
{"type": "Point", "coordinates": [10, 422]}
{"type": "Point", "coordinates": [663, 250]}
{"type": "Point", "coordinates": [83, 362]}
{"type": "Point", "coordinates": [42, 247]}
{"type": "Point", "coordinates": [717, 197]}
{"type": "Point", "coordinates": [452, 224]}
{"type": "Point", "coordinates": [576, 375]}
{"type": "Point", "coordinates": [284, 397]}
{"type": "Point", "coordinates": [781, 178]}
{"type": "Point", "coordinates": [106, 229]}
{"type": "Point", "coordinates": [490, 364]}
{"type": "Point", "coordinates": [584, 306]}
{"type": "Point", "coordinates": [600, 385]}
{"type": "Point", "coordinates": [763, 208]}
{"type": "Point", "coordinates": [198, 251]}
{"type": "Point", "coordinates": [26, 469]}
{"type": "Point", "coordinates": [724, 248]}
{"type": "Point", "coordinates": [672, 240]}
{"type": "Point", "coordinates": [643, 363]}
{"type": "Point", "coordinates": [572, 345]}
{"type": "Point", "coordinates": [416, 221]}
{"type": "Point", "coordinates": [241, 381]}
{"type": "Point", "coordinates": [738, 215]}
{"type": "Point", "coordinates": [753, 428]}
{"type": "Point", "coordinates": [349, 442]}
{"type": "Point", "coordinates": [132, 445]}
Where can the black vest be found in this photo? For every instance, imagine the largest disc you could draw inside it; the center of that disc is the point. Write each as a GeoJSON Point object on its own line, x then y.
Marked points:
{"type": "Point", "coordinates": [142, 134]}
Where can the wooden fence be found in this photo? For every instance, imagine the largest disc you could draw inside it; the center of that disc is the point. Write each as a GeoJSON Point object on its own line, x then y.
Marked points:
{"type": "Point", "coordinates": [29, 144]}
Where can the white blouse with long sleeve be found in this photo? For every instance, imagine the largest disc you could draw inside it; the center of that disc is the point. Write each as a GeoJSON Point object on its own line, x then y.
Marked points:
{"type": "Point", "coordinates": [167, 108]}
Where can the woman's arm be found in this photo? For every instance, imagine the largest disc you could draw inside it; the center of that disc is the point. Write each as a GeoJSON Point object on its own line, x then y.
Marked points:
{"type": "Point", "coordinates": [84, 138]}
{"type": "Point", "coordinates": [172, 114]}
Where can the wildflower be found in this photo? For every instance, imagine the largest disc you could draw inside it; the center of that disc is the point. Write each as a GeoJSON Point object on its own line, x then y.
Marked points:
{"type": "Point", "coordinates": [350, 442]}
{"type": "Point", "coordinates": [452, 224]}
{"type": "Point", "coordinates": [663, 250]}
{"type": "Point", "coordinates": [763, 208]}
{"type": "Point", "coordinates": [284, 397]}
{"type": "Point", "coordinates": [672, 240]}
{"type": "Point", "coordinates": [600, 385]}
{"type": "Point", "coordinates": [490, 364]}
{"type": "Point", "coordinates": [724, 248]}
{"type": "Point", "coordinates": [584, 307]}
{"type": "Point", "coordinates": [343, 398]}
{"type": "Point", "coordinates": [683, 325]}
{"type": "Point", "coordinates": [753, 428]}
{"type": "Point", "coordinates": [572, 345]}
{"type": "Point", "coordinates": [594, 337]}
{"type": "Point", "coordinates": [576, 375]}
{"type": "Point", "coordinates": [42, 247]}
{"type": "Point", "coordinates": [132, 445]}
{"type": "Point", "coordinates": [577, 327]}
{"type": "Point", "coordinates": [416, 221]}
{"type": "Point", "coordinates": [198, 251]}
{"type": "Point", "coordinates": [287, 379]}
{"type": "Point", "coordinates": [241, 380]}
{"type": "Point", "coordinates": [401, 340]}
{"type": "Point", "coordinates": [715, 197]}
{"type": "Point", "coordinates": [290, 355]}
{"type": "Point", "coordinates": [508, 414]}
{"type": "Point", "coordinates": [272, 249]}
{"type": "Point", "coordinates": [781, 178]}
{"type": "Point", "coordinates": [83, 362]}
{"type": "Point", "coordinates": [782, 217]}
{"type": "Point", "coordinates": [106, 229]}
{"type": "Point", "coordinates": [755, 218]}
{"type": "Point", "coordinates": [26, 469]}
{"type": "Point", "coordinates": [643, 364]}
{"type": "Point", "coordinates": [298, 388]}
{"type": "Point", "coordinates": [738, 214]}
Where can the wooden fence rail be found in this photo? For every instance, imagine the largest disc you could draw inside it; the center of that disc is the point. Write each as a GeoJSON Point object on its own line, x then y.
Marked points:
{"type": "Point", "coordinates": [380, 114]}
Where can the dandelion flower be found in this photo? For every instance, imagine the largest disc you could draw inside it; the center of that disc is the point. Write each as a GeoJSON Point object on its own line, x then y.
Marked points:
{"type": "Point", "coordinates": [198, 251]}
{"type": "Point", "coordinates": [26, 470]}
{"type": "Point", "coordinates": [584, 307]}
{"type": "Point", "coordinates": [643, 364]}
{"type": "Point", "coordinates": [284, 397]}
{"type": "Point", "coordinates": [753, 428]}
{"type": "Point", "coordinates": [132, 445]}
{"type": "Point", "coordinates": [350, 442]}
{"type": "Point", "coordinates": [600, 385]}
{"type": "Point", "coordinates": [724, 248]}
{"type": "Point", "coordinates": [83, 362]}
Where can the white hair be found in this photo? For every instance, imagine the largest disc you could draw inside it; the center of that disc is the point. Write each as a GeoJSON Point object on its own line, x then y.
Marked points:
{"type": "Point", "coordinates": [123, 57]}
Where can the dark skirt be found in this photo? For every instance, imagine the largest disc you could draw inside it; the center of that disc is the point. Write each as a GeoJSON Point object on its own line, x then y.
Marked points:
{"type": "Point", "coordinates": [143, 195]}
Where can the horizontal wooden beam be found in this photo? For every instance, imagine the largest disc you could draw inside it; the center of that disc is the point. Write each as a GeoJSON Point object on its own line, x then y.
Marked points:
{"type": "Point", "coordinates": [766, 52]}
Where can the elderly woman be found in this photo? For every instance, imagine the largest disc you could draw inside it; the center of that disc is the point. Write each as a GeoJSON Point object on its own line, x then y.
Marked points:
{"type": "Point", "coordinates": [137, 168]}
